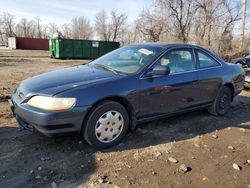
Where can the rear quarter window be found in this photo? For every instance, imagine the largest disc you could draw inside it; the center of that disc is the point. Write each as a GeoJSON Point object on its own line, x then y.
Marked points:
{"type": "Point", "coordinates": [206, 61]}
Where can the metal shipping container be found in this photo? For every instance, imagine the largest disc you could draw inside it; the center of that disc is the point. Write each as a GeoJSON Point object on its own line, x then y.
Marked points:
{"type": "Point", "coordinates": [80, 49]}
{"type": "Point", "coordinates": [28, 43]}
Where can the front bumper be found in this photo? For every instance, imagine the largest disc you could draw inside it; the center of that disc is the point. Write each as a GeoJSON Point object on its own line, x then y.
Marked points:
{"type": "Point", "coordinates": [49, 123]}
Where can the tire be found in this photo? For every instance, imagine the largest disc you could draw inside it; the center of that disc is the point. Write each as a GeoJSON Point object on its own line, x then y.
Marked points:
{"type": "Point", "coordinates": [106, 124]}
{"type": "Point", "coordinates": [222, 102]}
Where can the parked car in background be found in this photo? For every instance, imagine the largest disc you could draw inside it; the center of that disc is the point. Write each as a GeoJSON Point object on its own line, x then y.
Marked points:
{"type": "Point", "coordinates": [245, 62]}
{"type": "Point", "coordinates": [102, 100]}
{"type": "Point", "coordinates": [247, 78]}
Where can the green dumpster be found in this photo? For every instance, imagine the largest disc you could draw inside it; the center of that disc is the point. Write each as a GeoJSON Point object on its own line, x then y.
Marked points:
{"type": "Point", "coordinates": [80, 49]}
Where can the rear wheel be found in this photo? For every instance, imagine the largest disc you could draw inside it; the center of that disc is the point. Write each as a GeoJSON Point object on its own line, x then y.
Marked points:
{"type": "Point", "coordinates": [106, 125]}
{"type": "Point", "coordinates": [222, 102]}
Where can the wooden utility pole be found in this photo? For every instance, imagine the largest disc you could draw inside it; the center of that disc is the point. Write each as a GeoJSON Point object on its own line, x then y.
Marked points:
{"type": "Point", "coordinates": [243, 21]}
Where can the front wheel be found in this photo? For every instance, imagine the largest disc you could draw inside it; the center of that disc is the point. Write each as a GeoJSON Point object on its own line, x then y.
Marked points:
{"type": "Point", "coordinates": [222, 102]}
{"type": "Point", "coordinates": [106, 125]}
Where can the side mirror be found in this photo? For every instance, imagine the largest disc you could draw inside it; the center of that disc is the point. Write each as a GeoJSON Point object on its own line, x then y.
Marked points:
{"type": "Point", "coordinates": [159, 71]}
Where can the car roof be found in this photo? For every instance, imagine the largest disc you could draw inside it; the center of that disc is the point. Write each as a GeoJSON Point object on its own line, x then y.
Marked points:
{"type": "Point", "coordinates": [165, 45]}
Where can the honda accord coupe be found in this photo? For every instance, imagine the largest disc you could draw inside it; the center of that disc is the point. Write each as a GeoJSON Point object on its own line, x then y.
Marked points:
{"type": "Point", "coordinates": [103, 100]}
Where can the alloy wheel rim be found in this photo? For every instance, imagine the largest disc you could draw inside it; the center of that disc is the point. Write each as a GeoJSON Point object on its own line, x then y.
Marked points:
{"type": "Point", "coordinates": [109, 126]}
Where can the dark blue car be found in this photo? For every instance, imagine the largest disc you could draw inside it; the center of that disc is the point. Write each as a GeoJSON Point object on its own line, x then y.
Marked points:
{"type": "Point", "coordinates": [102, 100]}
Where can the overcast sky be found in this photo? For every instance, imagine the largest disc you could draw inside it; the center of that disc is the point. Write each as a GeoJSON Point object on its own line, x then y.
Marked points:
{"type": "Point", "coordinates": [62, 11]}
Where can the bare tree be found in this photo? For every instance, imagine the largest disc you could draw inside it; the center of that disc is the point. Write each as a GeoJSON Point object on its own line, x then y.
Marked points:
{"type": "Point", "coordinates": [52, 28]}
{"type": "Point", "coordinates": [151, 25]}
{"type": "Point", "coordinates": [45, 33]}
{"type": "Point", "coordinates": [22, 28]}
{"type": "Point", "coordinates": [38, 27]}
{"type": "Point", "coordinates": [81, 28]}
{"type": "Point", "coordinates": [207, 14]}
{"type": "Point", "coordinates": [102, 26]}
{"type": "Point", "coordinates": [32, 29]}
{"type": "Point", "coordinates": [206, 22]}
{"type": "Point", "coordinates": [8, 24]}
{"type": "Point", "coordinates": [229, 18]}
{"type": "Point", "coordinates": [180, 13]}
{"type": "Point", "coordinates": [66, 30]}
{"type": "Point", "coordinates": [129, 35]}
{"type": "Point", "coordinates": [29, 28]}
{"type": "Point", "coordinates": [113, 29]}
{"type": "Point", "coordinates": [118, 24]}
{"type": "Point", "coordinates": [2, 35]}
{"type": "Point", "coordinates": [214, 21]}
{"type": "Point", "coordinates": [26, 28]}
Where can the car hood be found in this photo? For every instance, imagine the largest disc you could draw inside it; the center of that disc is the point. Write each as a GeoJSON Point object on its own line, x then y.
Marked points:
{"type": "Point", "coordinates": [54, 82]}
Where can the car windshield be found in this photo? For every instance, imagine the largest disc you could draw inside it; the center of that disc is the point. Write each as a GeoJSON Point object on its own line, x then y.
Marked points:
{"type": "Point", "coordinates": [127, 59]}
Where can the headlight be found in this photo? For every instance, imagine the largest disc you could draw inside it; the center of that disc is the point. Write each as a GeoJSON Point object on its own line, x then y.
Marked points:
{"type": "Point", "coordinates": [52, 103]}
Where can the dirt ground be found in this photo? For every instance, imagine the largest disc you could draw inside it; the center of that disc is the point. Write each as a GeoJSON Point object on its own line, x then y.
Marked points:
{"type": "Point", "coordinates": [207, 145]}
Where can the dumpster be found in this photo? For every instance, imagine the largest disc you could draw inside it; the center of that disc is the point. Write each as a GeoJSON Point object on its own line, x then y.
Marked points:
{"type": "Point", "coordinates": [80, 49]}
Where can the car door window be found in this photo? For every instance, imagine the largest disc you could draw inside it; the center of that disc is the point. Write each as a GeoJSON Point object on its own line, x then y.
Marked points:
{"type": "Point", "coordinates": [206, 61]}
{"type": "Point", "coordinates": [178, 61]}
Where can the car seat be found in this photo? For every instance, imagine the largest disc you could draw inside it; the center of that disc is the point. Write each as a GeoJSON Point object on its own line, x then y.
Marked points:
{"type": "Point", "coordinates": [175, 62]}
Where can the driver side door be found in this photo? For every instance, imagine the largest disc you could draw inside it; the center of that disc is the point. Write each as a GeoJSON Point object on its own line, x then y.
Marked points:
{"type": "Point", "coordinates": [166, 94]}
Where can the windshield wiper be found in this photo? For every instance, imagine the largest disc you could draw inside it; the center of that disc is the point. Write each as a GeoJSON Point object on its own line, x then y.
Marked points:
{"type": "Point", "coordinates": [106, 68]}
